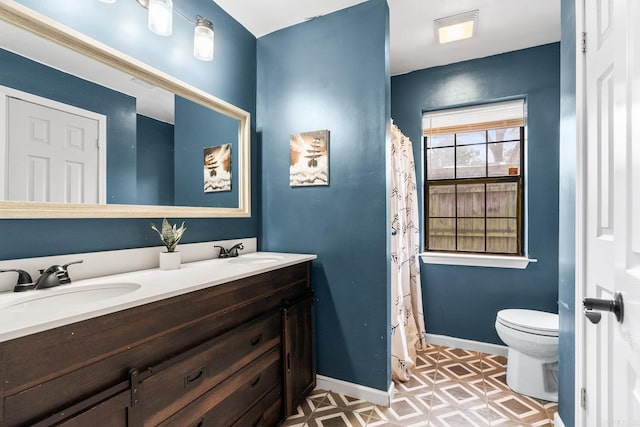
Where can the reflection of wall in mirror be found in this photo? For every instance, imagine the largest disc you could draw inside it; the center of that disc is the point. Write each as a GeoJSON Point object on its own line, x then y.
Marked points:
{"type": "Point", "coordinates": [198, 127]}
{"type": "Point", "coordinates": [154, 162]}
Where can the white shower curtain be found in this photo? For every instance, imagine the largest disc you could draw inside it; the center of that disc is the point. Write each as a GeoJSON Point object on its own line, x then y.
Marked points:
{"type": "Point", "coordinates": [407, 319]}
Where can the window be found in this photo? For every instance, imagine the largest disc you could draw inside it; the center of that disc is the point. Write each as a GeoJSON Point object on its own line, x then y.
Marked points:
{"type": "Point", "coordinates": [474, 179]}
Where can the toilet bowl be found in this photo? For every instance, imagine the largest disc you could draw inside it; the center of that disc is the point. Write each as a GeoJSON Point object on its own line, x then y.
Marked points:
{"type": "Point", "coordinates": [532, 361]}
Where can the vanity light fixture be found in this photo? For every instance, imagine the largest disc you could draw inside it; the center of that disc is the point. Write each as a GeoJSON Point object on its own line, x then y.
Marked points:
{"type": "Point", "coordinates": [160, 19]}
{"type": "Point", "coordinates": [456, 27]}
{"type": "Point", "coordinates": [203, 38]}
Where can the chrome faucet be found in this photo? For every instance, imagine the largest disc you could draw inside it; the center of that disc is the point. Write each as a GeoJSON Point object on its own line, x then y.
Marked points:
{"type": "Point", "coordinates": [24, 281]}
{"type": "Point", "coordinates": [55, 275]}
{"type": "Point", "coordinates": [232, 252]}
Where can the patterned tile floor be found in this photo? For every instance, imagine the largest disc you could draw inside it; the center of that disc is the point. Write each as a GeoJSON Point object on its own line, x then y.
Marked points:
{"type": "Point", "coordinates": [450, 387]}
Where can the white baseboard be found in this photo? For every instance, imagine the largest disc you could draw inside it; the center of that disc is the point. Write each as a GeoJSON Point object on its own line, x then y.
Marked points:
{"type": "Point", "coordinates": [373, 395]}
{"type": "Point", "coordinates": [557, 421]}
{"type": "Point", "coordinates": [499, 350]}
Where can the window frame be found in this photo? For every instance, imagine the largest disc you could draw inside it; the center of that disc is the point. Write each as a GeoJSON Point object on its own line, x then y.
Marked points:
{"type": "Point", "coordinates": [520, 214]}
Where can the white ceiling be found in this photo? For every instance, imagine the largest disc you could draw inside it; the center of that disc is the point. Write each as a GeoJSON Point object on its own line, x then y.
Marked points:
{"type": "Point", "coordinates": [504, 25]}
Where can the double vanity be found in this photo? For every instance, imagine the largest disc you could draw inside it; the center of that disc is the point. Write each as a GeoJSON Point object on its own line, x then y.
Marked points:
{"type": "Point", "coordinates": [219, 342]}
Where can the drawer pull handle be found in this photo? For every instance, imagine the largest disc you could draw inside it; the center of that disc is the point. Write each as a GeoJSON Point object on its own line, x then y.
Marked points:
{"type": "Point", "coordinates": [256, 380]}
{"type": "Point", "coordinates": [257, 422]}
{"type": "Point", "coordinates": [194, 377]}
{"type": "Point", "coordinates": [255, 340]}
{"type": "Point", "coordinates": [199, 423]}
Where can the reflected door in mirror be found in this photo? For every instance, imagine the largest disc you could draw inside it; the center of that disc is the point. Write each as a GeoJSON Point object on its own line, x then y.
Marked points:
{"type": "Point", "coordinates": [52, 155]}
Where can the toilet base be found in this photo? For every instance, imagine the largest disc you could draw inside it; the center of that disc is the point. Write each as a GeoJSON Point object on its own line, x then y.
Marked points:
{"type": "Point", "coordinates": [535, 377]}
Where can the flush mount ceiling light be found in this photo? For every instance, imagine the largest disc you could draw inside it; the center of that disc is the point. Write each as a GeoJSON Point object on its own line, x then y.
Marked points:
{"type": "Point", "coordinates": [456, 27]}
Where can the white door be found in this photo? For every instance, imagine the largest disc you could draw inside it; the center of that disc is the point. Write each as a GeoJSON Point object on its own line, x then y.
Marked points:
{"type": "Point", "coordinates": [611, 355]}
{"type": "Point", "coordinates": [52, 155]}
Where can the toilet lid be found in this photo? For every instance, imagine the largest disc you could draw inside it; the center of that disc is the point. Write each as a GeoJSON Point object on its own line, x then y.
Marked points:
{"type": "Point", "coordinates": [531, 321]}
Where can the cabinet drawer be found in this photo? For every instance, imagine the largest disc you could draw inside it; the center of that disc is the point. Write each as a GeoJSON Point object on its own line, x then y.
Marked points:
{"type": "Point", "coordinates": [227, 402]}
{"type": "Point", "coordinates": [182, 379]}
{"type": "Point", "coordinates": [266, 413]}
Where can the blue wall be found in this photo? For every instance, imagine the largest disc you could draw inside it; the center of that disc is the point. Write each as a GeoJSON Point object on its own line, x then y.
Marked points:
{"type": "Point", "coordinates": [231, 76]}
{"type": "Point", "coordinates": [333, 73]}
{"type": "Point", "coordinates": [567, 249]}
{"type": "Point", "coordinates": [463, 301]}
{"type": "Point", "coordinates": [154, 159]}
{"type": "Point", "coordinates": [32, 77]}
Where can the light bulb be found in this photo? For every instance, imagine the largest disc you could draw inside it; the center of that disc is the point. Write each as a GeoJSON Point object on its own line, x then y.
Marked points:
{"type": "Point", "coordinates": [203, 39]}
{"type": "Point", "coordinates": [161, 17]}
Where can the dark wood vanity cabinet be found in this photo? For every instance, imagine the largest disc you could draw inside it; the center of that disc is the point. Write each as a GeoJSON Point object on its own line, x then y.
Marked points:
{"type": "Point", "coordinates": [236, 354]}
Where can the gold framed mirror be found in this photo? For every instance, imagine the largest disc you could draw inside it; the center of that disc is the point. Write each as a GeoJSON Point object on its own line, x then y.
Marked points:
{"type": "Point", "coordinates": [26, 19]}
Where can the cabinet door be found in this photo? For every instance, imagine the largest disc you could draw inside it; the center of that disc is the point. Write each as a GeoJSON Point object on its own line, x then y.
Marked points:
{"type": "Point", "coordinates": [298, 357]}
{"type": "Point", "coordinates": [112, 412]}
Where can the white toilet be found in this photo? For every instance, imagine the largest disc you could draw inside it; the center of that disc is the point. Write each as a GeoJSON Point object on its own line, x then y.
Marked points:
{"type": "Point", "coordinates": [532, 362]}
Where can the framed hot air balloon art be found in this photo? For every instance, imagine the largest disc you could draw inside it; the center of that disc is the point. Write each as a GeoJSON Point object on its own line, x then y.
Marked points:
{"type": "Point", "coordinates": [309, 158]}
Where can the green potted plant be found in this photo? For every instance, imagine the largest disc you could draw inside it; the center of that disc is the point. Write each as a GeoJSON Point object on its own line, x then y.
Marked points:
{"type": "Point", "coordinates": [170, 236]}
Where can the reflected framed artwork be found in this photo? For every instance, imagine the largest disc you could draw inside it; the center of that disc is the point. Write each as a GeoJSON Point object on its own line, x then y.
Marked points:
{"type": "Point", "coordinates": [217, 168]}
{"type": "Point", "coordinates": [309, 158]}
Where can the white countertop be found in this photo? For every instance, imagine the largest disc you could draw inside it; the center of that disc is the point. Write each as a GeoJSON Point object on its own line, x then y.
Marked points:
{"type": "Point", "coordinates": [18, 319]}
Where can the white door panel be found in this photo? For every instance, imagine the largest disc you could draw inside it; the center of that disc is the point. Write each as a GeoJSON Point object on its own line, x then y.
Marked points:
{"type": "Point", "coordinates": [612, 194]}
{"type": "Point", "coordinates": [52, 155]}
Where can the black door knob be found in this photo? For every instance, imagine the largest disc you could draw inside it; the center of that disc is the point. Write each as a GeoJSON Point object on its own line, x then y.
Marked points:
{"type": "Point", "coordinates": [592, 307]}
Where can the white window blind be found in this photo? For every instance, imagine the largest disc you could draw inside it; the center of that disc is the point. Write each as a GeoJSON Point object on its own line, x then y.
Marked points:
{"type": "Point", "coordinates": [490, 116]}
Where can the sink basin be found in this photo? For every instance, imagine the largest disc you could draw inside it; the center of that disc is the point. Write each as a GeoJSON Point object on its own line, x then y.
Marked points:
{"type": "Point", "coordinates": [59, 298]}
{"type": "Point", "coordinates": [256, 258]}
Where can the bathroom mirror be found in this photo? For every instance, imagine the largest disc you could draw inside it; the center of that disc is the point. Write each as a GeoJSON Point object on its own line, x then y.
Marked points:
{"type": "Point", "coordinates": [224, 125]}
